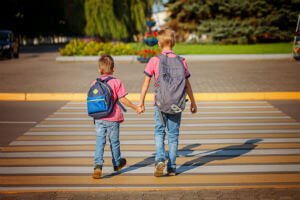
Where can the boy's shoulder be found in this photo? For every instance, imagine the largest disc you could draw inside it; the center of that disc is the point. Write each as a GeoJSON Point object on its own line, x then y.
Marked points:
{"type": "Point", "coordinates": [113, 81]}
{"type": "Point", "coordinates": [116, 80]}
{"type": "Point", "coordinates": [157, 59]}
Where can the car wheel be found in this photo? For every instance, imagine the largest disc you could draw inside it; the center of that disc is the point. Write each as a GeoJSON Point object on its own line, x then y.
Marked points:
{"type": "Point", "coordinates": [16, 55]}
{"type": "Point", "coordinates": [10, 54]}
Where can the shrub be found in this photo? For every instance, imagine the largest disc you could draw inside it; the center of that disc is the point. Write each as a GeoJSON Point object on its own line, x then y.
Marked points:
{"type": "Point", "coordinates": [93, 48]}
{"type": "Point", "coordinates": [74, 47]}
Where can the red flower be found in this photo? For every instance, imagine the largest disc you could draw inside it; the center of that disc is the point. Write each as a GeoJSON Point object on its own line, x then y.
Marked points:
{"type": "Point", "coordinates": [147, 53]}
{"type": "Point", "coordinates": [151, 35]}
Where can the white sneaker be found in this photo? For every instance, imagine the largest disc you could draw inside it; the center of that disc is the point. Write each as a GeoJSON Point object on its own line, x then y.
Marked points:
{"type": "Point", "coordinates": [159, 169]}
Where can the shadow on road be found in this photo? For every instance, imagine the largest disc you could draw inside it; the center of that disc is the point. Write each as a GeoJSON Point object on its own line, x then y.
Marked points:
{"type": "Point", "coordinates": [187, 151]}
{"type": "Point", "coordinates": [219, 154]}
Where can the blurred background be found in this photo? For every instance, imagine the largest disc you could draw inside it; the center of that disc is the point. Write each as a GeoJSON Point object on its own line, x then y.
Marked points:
{"type": "Point", "coordinates": [205, 21]}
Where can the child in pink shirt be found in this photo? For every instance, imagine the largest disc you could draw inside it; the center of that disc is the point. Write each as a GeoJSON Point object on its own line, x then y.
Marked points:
{"type": "Point", "coordinates": [165, 121]}
{"type": "Point", "coordinates": [110, 125]}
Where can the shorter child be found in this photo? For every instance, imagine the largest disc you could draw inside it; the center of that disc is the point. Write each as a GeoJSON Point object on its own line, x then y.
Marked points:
{"type": "Point", "coordinates": [110, 125]}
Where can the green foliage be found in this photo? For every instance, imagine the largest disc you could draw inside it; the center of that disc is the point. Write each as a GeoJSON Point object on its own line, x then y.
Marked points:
{"type": "Point", "coordinates": [272, 48]}
{"type": "Point", "coordinates": [116, 19]}
{"type": "Point", "coordinates": [82, 48]}
{"type": "Point", "coordinates": [74, 47]}
{"type": "Point", "coordinates": [236, 21]}
{"type": "Point", "coordinates": [74, 16]}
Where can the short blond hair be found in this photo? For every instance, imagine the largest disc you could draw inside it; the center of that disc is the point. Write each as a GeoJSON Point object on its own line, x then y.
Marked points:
{"type": "Point", "coordinates": [166, 37]}
{"type": "Point", "coordinates": [106, 64]}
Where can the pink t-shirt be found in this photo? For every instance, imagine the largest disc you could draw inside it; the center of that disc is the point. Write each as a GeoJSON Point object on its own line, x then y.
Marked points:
{"type": "Point", "coordinates": [152, 67]}
{"type": "Point", "coordinates": [118, 91]}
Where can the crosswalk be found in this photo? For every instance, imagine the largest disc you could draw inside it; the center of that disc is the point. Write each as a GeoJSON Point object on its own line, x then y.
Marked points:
{"type": "Point", "coordinates": [227, 144]}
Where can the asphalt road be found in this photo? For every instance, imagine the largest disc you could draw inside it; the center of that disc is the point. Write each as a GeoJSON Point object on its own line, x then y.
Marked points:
{"type": "Point", "coordinates": [38, 72]}
{"type": "Point", "coordinates": [48, 117]}
{"type": "Point", "coordinates": [17, 117]}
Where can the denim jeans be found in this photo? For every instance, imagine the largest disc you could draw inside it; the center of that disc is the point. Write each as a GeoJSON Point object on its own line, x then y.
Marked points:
{"type": "Point", "coordinates": [111, 129]}
{"type": "Point", "coordinates": [172, 124]}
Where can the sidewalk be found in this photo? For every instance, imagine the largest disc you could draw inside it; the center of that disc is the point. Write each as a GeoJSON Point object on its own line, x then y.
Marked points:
{"type": "Point", "coordinates": [255, 79]}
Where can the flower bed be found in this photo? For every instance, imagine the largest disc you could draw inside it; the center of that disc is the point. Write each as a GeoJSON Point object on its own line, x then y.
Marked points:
{"type": "Point", "coordinates": [296, 48]}
{"type": "Point", "coordinates": [150, 23]}
{"type": "Point", "coordinates": [150, 38]}
{"type": "Point", "coordinates": [150, 41]}
{"type": "Point", "coordinates": [144, 55]}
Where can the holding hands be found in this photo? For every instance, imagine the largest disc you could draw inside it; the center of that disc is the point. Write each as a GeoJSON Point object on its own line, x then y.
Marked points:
{"type": "Point", "coordinates": [140, 109]}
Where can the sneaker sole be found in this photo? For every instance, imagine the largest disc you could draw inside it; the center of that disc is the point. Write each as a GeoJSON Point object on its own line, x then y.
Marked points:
{"type": "Point", "coordinates": [159, 169]}
{"type": "Point", "coordinates": [97, 174]}
{"type": "Point", "coordinates": [172, 174]}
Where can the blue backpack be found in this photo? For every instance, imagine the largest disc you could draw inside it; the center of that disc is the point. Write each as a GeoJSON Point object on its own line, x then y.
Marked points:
{"type": "Point", "coordinates": [99, 99]}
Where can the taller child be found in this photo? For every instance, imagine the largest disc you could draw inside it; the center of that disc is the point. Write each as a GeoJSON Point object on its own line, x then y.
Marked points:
{"type": "Point", "coordinates": [163, 121]}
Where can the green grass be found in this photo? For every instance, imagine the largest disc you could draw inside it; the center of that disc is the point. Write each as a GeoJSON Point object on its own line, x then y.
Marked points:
{"type": "Point", "coordinates": [274, 48]}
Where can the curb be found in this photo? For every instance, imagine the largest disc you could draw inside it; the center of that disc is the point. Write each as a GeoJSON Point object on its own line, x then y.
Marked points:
{"type": "Point", "coordinates": [241, 96]}
{"type": "Point", "coordinates": [132, 58]}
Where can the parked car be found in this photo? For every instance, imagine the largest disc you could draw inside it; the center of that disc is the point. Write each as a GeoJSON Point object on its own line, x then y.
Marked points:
{"type": "Point", "coordinates": [9, 44]}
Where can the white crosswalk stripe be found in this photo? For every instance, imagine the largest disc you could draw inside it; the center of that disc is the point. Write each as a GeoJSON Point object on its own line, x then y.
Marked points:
{"type": "Point", "coordinates": [148, 153]}
{"type": "Point", "coordinates": [139, 142]}
{"type": "Point", "coordinates": [275, 135]}
{"type": "Point", "coordinates": [143, 170]}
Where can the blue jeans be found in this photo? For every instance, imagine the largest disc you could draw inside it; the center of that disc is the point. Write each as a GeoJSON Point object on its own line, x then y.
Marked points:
{"type": "Point", "coordinates": [102, 129]}
{"type": "Point", "coordinates": [172, 123]}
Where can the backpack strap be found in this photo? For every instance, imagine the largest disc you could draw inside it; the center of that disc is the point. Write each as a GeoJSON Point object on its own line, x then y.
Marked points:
{"type": "Point", "coordinates": [108, 79]}
{"type": "Point", "coordinates": [117, 101]}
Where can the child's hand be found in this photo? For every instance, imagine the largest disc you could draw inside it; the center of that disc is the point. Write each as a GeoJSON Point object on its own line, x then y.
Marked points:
{"type": "Point", "coordinates": [139, 110]}
{"type": "Point", "coordinates": [142, 108]}
{"type": "Point", "coordinates": [193, 107]}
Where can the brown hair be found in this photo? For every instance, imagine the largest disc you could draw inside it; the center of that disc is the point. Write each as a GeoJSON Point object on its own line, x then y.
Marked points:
{"type": "Point", "coordinates": [106, 64]}
{"type": "Point", "coordinates": [166, 37]}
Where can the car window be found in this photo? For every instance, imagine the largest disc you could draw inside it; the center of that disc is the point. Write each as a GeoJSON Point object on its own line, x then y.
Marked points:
{"type": "Point", "coordinates": [3, 36]}
{"type": "Point", "coordinates": [6, 36]}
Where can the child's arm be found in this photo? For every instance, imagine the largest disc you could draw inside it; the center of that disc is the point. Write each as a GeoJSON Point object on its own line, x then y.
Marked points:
{"type": "Point", "coordinates": [128, 103]}
{"type": "Point", "coordinates": [189, 92]}
{"type": "Point", "coordinates": [145, 87]}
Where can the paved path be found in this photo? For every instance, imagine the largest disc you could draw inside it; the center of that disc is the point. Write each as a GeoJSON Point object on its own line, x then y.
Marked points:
{"type": "Point", "coordinates": [226, 145]}
{"type": "Point", "coordinates": [40, 73]}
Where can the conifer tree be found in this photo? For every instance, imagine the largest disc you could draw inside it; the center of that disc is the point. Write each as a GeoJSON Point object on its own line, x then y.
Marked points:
{"type": "Point", "coordinates": [235, 21]}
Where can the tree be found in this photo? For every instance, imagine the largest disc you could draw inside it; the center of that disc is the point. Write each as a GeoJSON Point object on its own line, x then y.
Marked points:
{"type": "Point", "coordinates": [116, 19]}
{"type": "Point", "coordinates": [105, 19]}
{"type": "Point", "coordinates": [235, 21]}
{"type": "Point", "coordinates": [34, 18]}
{"type": "Point", "coordinates": [74, 16]}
